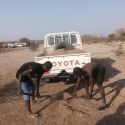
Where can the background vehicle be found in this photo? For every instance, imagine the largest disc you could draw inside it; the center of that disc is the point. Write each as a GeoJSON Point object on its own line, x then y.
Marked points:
{"type": "Point", "coordinates": [11, 45]}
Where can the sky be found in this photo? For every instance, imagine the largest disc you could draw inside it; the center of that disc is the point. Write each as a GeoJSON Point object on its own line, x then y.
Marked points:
{"type": "Point", "coordinates": [35, 18]}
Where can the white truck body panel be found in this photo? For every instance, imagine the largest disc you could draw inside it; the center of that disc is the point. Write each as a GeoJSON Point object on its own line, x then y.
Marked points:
{"type": "Point", "coordinates": [65, 62]}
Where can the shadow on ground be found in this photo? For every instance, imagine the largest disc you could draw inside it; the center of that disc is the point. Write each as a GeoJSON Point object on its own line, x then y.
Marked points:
{"type": "Point", "coordinates": [117, 118]}
{"type": "Point", "coordinates": [12, 88]}
{"type": "Point", "coordinates": [55, 97]}
{"type": "Point", "coordinates": [116, 86]}
{"type": "Point", "coordinates": [110, 70]}
{"type": "Point", "coordinates": [9, 91]}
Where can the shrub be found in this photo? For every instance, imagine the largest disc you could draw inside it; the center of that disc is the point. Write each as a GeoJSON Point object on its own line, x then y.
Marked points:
{"type": "Point", "coordinates": [65, 46]}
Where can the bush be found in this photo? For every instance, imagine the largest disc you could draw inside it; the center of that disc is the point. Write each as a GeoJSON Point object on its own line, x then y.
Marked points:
{"type": "Point", "coordinates": [120, 50]}
{"type": "Point", "coordinates": [63, 45]}
{"type": "Point", "coordinates": [25, 40]}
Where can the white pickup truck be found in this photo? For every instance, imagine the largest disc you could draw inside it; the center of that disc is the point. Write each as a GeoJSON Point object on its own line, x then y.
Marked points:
{"type": "Point", "coordinates": [66, 60]}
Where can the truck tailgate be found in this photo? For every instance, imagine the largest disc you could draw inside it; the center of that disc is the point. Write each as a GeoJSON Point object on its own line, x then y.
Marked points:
{"type": "Point", "coordinates": [65, 62]}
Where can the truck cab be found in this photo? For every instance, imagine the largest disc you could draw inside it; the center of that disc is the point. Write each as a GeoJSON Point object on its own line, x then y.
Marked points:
{"type": "Point", "coordinates": [52, 39]}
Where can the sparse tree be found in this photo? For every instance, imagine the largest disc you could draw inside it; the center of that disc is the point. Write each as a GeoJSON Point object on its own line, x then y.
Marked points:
{"type": "Point", "coordinates": [25, 40]}
{"type": "Point", "coordinates": [111, 37]}
{"type": "Point", "coordinates": [92, 38]}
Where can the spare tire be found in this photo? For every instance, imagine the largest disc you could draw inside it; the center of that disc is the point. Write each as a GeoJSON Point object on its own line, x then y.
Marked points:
{"type": "Point", "coordinates": [62, 45]}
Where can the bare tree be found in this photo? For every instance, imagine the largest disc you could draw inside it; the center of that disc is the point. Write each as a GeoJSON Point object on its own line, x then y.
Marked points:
{"type": "Point", "coordinates": [92, 38]}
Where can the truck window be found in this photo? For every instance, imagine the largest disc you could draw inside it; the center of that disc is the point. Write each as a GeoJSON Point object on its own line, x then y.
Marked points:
{"type": "Point", "coordinates": [73, 39]}
{"type": "Point", "coordinates": [50, 40]}
{"type": "Point", "coordinates": [58, 39]}
{"type": "Point", "coordinates": [66, 38]}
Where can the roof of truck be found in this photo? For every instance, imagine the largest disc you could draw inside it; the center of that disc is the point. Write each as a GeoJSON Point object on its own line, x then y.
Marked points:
{"type": "Point", "coordinates": [62, 33]}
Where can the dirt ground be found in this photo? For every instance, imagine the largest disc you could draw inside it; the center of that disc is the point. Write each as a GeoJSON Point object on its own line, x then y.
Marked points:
{"type": "Point", "coordinates": [53, 106]}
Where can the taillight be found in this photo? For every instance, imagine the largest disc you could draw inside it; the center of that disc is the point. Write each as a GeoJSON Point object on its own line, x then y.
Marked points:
{"type": "Point", "coordinates": [46, 72]}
